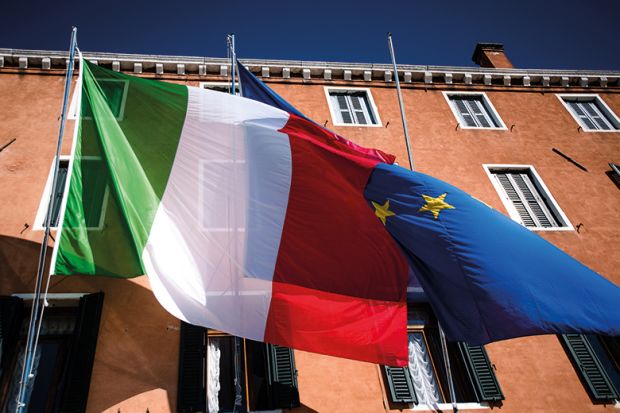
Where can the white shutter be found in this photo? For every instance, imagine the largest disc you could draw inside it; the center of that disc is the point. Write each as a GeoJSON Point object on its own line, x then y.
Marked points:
{"type": "Point", "coordinates": [341, 108]}
{"type": "Point", "coordinates": [595, 114]}
{"type": "Point", "coordinates": [472, 111]}
{"type": "Point", "coordinates": [525, 197]}
{"type": "Point", "coordinates": [463, 111]}
{"type": "Point", "coordinates": [358, 106]}
{"type": "Point", "coordinates": [352, 108]}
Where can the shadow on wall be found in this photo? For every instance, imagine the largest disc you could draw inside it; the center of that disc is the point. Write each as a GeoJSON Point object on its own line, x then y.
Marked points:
{"type": "Point", "coordinates": [138, 341]}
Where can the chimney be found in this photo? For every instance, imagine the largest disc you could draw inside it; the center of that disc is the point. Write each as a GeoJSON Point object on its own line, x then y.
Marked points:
{"type": "Point", "coordinates": [491, 55]}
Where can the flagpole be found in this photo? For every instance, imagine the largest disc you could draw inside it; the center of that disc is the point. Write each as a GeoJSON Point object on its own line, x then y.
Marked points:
{"type": "Point", "coordinates": [444, 345]}
{"type": "Point", "coordinates": [238, 405]}
{"type": "Point", "coordinates": [30, 350]}
{"type": "Point", "coordinates": [400, 102]}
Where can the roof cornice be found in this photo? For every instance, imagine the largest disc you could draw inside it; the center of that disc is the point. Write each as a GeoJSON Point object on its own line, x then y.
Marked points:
{"type": "Point", "coordinates": [44, 60]}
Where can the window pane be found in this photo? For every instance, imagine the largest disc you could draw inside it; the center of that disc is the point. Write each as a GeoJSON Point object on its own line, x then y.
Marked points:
{"type": "Point", "coordinates": [58, 191]}
{"type": "Point", "coordinates": [422, 371]}
{"type": "Point", "coordinates": [95, 173]}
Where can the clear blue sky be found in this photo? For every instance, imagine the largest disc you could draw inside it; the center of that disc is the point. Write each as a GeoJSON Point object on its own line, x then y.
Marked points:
{"type": "Point", "coordinates": [550, 34]}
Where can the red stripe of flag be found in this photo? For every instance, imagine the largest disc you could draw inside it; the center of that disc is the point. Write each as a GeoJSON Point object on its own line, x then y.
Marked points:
{"type": "Point", "coordinates": [334, 247]}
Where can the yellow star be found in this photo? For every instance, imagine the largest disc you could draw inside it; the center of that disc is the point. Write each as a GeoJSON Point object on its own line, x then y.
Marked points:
{"type": "Point", "coordinates": [382, 211]}
{"type": "Point", "coordinates": [435, 205]}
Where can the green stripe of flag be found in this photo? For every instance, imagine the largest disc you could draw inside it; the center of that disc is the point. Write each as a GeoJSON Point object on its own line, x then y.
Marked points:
{"type": "Point", "coordinates": [128, 136]}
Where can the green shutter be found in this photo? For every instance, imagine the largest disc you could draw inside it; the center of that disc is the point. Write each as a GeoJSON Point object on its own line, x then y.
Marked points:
{"type": "Point", "coordinates": [191, 390]}
{"type": "Point", "coordinates": [282, 376]}
{"type": "Point", "coordinates": [11, 309]}
{"type": "Point", "coordinates": [589, 366]}
{"type": "Point", "coordinates": [81, 355]}
{"type": "Point", "coordinates": [400, 384]}
{"type": "Point", "coordinates": [481, 373]}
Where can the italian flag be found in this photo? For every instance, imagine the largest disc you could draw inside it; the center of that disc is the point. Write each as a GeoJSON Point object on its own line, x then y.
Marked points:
{"type": "Point", "coordinates": [245, 218]}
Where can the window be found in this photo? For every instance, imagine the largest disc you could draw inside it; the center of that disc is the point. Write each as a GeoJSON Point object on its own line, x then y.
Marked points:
{"type": "Point", "coordinates": [474, 111]}
{"type": "Point", "coordinates": [115, 93]}
{"type": "Point", "coordinates": [597, 361]}
{"type": "Point", "coordinates": [424, 381]}
{"type": "Point", "coordinates": [352, 107]}
{"type": "Point", "coordinates": [220, 86]}
{"type": "Point", "coordinates": [526, 198]}
{"type": "Point", "coordinates": [94, 196]}
{"type": "Point", "coordinates": [267, 377]}
{"type": "Point", "coordinates": [64, 356]}
{"type": "Point", "coordinates": [591, 113]}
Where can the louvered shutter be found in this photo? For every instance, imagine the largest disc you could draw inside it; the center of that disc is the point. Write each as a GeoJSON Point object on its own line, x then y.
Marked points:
{"type": "Point", "coordinates": [589, 366]}
{"type": "Point", "coordinates": [592, 109]}
{"type": "Point", "coordinates": [282, 376]}
{"type": "Point", "coordinates": [533, 200]}
{"type": "Point", "coordinates": [461, 107]}
{"type": "Point", "coordinates": [515, 199]}
{"type": "Point", "coordinates": [480, 373]}
{"type": "Point", "coordinates": [579, 111]}
{"type": "Point", "coordinates": [191, 390]}
{"type": "Point", "coordinates": [477, 108]}
{"type": "Point", "coordinates": [58, 191]}
{"type": "Point", "coordinates": [81, 355]}
{"type": "Point", "coordinates": [400, 384]}
{"type": "Point", "coordinates": [11, 310]}
{"type": "Point", "coordinates": [358, 105]}
{"type": "Point", "coordinates": [339, 101]}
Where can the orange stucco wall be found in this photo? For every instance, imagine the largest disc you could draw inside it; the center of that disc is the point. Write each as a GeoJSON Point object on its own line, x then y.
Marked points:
{"type": "Point", "coordinates": [137, 350]}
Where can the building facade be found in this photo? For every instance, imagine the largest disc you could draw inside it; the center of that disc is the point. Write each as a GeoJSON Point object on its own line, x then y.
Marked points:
{"type": "Point", "coordinates": [541, 146]}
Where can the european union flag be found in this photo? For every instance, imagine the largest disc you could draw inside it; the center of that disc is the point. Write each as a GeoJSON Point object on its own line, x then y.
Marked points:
{"type": "Point", "coordinates": [486, 277]}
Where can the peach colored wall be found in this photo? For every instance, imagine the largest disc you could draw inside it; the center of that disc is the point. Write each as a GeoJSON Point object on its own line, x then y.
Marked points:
{"type": "Point", "coordinates": [137, 352]}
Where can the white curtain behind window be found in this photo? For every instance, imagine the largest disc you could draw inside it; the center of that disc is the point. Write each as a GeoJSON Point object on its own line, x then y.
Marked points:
{"type": "Point", "coordinates": [213, 376]}
{"type": "Point", "coordinates": [422, 373]}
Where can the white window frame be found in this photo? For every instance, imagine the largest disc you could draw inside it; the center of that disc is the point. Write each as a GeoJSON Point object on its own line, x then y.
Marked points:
{"type": "Point", "coordinates": [205, 85]}
{"type": "Point", "coordinates": [609, 114]}
{"type": "Point", "coordinates": [541, 187]}
{"type": "Point", "coordinates": [491, 111]}
{"type": "Point", "coordinates": [73, 107]}
{"type": "Point", "coordinates": [202, 197]}
{"type": "Point", "coordinates": [45, 197]}
{"type": "Point", "coordinates": [333, 111]}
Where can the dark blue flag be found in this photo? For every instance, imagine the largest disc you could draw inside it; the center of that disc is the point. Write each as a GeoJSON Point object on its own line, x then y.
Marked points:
{"type": "Point", "coordinates": [253, 88]}
{"type": "Point", "coordinates": [486, 277]}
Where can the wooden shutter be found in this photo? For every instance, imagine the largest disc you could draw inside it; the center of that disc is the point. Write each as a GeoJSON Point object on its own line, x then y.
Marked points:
{"type": "Point", "coordinates": [282, 376]}
{"type": "Point", "coordinates": [400, 384]}
{"type": "Point", "coordinates": [191, 390]}
{"type": "Point", "coordinates": [463, 111]}
{"type": "Point", "coordinates": [515, 199]}
{"type": "Point", "coordinates": [579, 111]}
{"type": "Point", "coordinates": [480, 373]}
{"type": "Point", "coordinates": [342, 106]}
{"type": "Point", "coordinates": [524, 196]}
{"type": "Point", "coordinates": [81, 355]}
{"type": "Point", "coordinates": [530, 195]}
{"type": "Point", "coordinates": [11, 310]}
{"type": "Point", "coordinates": [588, 365]}
{"type": "Point", "coordinates": [596, 115]}
{"type": "Point", "coordinates": [479, 111]}
{"type": "Point", "coordinates": [359, 107]}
